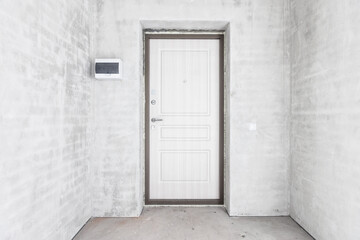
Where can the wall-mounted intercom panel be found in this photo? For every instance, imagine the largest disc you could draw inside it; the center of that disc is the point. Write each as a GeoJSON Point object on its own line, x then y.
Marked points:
{"type": "Point", "coordinates": [108, 68]}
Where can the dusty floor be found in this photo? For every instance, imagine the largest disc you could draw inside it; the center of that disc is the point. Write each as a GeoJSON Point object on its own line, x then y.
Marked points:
{"type": "Point", "coordinates": [191, 223]}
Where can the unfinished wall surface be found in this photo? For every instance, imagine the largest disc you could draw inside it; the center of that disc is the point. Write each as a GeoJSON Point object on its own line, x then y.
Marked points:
{"type": "Point", "coordinates": [45, 111]}
{"type": "Point", "coordinates": [257, 176]}
{"type": "Point", "coordinates": [325, 165]}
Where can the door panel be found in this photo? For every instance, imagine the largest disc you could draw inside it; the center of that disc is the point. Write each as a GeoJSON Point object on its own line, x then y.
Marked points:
{"type": "Point", "coordinates": [184, 81]}
{"type": "Point", "coordinates": [184, 138]}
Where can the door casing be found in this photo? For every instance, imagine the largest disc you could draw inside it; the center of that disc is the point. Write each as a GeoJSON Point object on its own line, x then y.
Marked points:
{"type": "Point", "coordinates": [219, 201]}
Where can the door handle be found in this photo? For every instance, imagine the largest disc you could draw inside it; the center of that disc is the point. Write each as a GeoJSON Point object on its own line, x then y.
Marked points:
{"type": "Point", "coordinates": [156, 119]}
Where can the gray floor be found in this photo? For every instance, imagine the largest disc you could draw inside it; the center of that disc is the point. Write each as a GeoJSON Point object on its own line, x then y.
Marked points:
{"type": "Point", "coordinates": [191, 223]}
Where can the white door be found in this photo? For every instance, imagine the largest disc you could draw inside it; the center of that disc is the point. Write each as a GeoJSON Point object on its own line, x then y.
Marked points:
{"type": "Point", "coordinates": [184, 108]}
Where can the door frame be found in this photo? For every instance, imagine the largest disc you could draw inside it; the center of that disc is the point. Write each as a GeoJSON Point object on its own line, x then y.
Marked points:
{"type": "Point", "coordinates": [187, 35]}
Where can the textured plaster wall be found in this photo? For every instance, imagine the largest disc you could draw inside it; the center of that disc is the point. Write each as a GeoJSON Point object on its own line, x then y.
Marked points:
{"type": "Point", "coordinates": [257, 176]}
{"type": "Point", "coordinates": [72, 147]}
{"type": "Point", "coordinates": [45, 112]}
{"type": "Point", "coordinates": [325, 142]}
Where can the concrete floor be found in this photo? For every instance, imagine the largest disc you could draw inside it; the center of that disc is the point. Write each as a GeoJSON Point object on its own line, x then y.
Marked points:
{"type": "Point", "coordinates": [191, 223]}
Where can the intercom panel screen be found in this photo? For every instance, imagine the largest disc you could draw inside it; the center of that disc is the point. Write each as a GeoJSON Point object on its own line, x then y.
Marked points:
{"type": "Point", "coordinates": [107, 68]}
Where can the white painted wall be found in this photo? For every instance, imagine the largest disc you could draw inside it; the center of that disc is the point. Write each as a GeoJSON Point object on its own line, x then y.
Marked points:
{"type": "Point", "coordinates": [258, 176]}
{"type": "Point", "coordinates": [325, 142]}
{"type": "Point", "coordinates": [45, 112]}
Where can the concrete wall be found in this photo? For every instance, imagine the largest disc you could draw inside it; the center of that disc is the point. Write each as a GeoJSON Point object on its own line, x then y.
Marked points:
{"type": "Point", "coordinates": [325, 75]}
{"type": "Point", "coordinates": [45, 112]}
{"type": "Point", "coordinates": [50, 172]}
{"type": "Point", "coordinates": [258, 173]}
